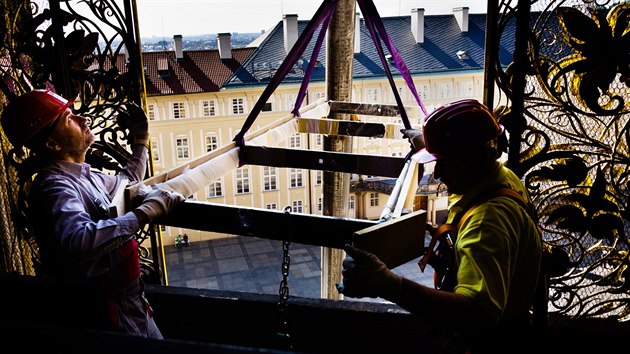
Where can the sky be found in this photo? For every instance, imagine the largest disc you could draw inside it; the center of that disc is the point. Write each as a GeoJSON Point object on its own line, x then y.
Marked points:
{"type": "Point", "coordinates": [165, 18]}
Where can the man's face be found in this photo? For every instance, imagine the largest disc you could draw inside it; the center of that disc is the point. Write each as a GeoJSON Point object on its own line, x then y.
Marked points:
{"type": "Point", "coordinates": [455, 173]}
{"type": "Point", "coordinates": [72, 133]}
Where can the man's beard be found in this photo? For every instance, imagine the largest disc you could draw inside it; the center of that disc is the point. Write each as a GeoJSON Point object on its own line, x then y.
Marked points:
{"type": "Point", "coordinates": [79, 145]}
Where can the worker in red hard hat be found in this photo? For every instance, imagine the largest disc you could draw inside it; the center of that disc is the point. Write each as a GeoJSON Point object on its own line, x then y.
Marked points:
{"type": "Point", "coordinates": [32, 117]}
{"type": "Point", "coordinates": [90, 253]}
{"type": "Point", "coordinates": [484, 300]}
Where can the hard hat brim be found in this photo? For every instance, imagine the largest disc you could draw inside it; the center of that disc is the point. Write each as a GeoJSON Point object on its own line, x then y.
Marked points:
{"type": "Point", "coordinates": [423, 156]}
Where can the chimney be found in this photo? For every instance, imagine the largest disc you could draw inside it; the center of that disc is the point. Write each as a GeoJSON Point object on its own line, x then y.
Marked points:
{"type": "Point", "coordinates": [179, 51]}
{"type": "Point", "coordinates": [124, 59]}
{"type": "Point", "coordinates": [224, 42]}
{"type": "Point", "coordinates": [461, 15]}
{"type": "Point", "coordinates": [417, 25]}
{"type": "Point", "coordinates": [290, 23]}
{"type": "Point", "coordinates": [357, 33]}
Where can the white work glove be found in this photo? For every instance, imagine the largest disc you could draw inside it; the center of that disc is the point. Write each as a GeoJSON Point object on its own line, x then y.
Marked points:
{"type": "Point", "coordinates": [159, 202]}
{"type": "Point", "coordinates": [365, 275]}
{"type": "Point", "coordinates": [415, 137]}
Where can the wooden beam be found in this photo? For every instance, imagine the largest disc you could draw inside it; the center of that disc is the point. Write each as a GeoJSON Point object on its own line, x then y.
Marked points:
{"type": "Point", "coordinates": [384, 166]}
{"type": "Point", "coordinates": [372, 109]}
{"type": "Point", "coordinates": [396, 241]}
{"type": "Point", "coordinates": [308, 229]}
{"type": "Point", "coordinates": [328, 126]}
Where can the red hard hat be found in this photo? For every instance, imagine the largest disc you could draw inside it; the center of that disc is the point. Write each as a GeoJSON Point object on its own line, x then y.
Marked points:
{"type": "Point", "coordinates": [456, 127]}
{"type": "Point", "coordinates": [30, 113]}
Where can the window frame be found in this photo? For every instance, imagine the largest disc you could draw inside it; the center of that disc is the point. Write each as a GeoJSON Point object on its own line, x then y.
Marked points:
{"type": "Point", "coordinates": [177, 108]}
{"type": "Point", "coordinates": [211, 110]}
{"type": "Point", "coordinates": [181, 150]}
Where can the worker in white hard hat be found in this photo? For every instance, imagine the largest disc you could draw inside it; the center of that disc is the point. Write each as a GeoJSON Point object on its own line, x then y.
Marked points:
{"type": "Point", "coordinates": [93, 256]}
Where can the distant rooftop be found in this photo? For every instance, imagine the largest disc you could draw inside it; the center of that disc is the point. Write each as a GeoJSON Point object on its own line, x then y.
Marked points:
{"type": "Point", "coordinates": [446, 46]}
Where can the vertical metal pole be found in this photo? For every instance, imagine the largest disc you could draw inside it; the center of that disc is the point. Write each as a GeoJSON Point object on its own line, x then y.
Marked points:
{"type": "Point", "coordinates": [340, 55]}
{"type": "Point", "coordinates": [134, 50]}
{"type": "Point", "coordinates": [138, 95]}
{"type": "Point", "coordinates": [491, 52]}
{"type": "Point", "coordinates": [521, 58]}
{"type": "Point", "coordinates": [67, 90]}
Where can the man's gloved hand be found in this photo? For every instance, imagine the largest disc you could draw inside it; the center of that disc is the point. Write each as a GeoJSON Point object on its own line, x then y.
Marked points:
{"type": "Point", "coordinates": [136, 121]}
{"type": "Point", "coordinates": [365, 275]}
{"type": "Point", "coordinates": [431, 228]}
{"type": "Point", "coordinates": [159, 202]}
{"type": "Point", "coordinates": [415, 137]}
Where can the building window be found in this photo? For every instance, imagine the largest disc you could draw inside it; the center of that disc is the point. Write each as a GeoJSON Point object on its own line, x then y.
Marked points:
{"type": "Point", "coordinates": [212, 142]}
{"type": "Point", "coordinates": [466, 88]}
{"type": "Point", "coordinates": [155, 150]}
{"type": "Point", "coordinates": [182, 147]}
{"type": "Point", "coordinates": [238, 106]}
{"type": "Point", "coordinates": [373, 199]}
{"type": "Point", "coordinates": [215, 189]}
{"type": "Point", "coordinates": [424, 91]}
{"type": "Point", "coordinates": [445, 90]}
{"type": "Point", "coordinates": [179, 110]}
{"type": "Point", "coordinates": [272, 206]}
{"type": "Point", "coordinates": [373, 95]}
{"type": "Point", "coordinates": [270, 178]}
{"type": "Point", "coordinates": [295, 175]}
{"type": "Point", "coordinates": [320, 204]}
{"type": "Point", "coordinates": [163, 67]}
{"type": "Point", "coordinates": [319, 95]}
{"type": "Point", "coordinates": [242, 180]}
{"type": "Point", "coordinates": [151, 114]}
{"type": "Point", "coordinates": [401, 93]}
{"type": "Point", "coordinates": [290, 99]}
{"type": "Point", "coordinates": [351, 202]}
{"type": "Point", "coordinates": [267, 107]}
{"type": "Point", "coordinates": [296, 206]}
{"type": "Point", "coordinates": [295, 141]}
{"type": "Point", "coordinates": [318, 140]}
{"type": "Point", "coordinates": [318, 177]}
{"type": "Point", "coordinates": [208, 108]}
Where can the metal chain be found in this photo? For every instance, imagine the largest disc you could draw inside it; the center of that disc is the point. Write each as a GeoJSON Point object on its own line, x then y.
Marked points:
{"type": "Point", "coordinates": [283, 331]}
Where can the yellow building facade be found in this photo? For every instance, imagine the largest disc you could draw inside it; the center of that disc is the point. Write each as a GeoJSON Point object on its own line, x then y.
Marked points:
{"type": "Point", "coordinates": [184, 127]}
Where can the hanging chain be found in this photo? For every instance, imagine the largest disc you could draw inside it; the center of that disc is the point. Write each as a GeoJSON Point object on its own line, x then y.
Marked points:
{"type": "Point", "coordinates": [282, 332]}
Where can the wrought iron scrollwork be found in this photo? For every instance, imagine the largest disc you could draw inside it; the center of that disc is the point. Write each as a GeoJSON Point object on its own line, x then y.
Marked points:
{"type": "Point", "coordinates": [575, 151]}
{"type": "Point", "coordinates": [80, 49]}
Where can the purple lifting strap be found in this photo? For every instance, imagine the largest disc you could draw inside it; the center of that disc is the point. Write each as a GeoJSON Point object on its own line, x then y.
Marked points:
{"type": "Point", "coordinates": [374, 22]}
{"type": "Point", "coordinates": [322, 17]}
{"type": "Point", "coordinates": [324, 12]}
{"type": "Point", "coordinates": [311, 64]}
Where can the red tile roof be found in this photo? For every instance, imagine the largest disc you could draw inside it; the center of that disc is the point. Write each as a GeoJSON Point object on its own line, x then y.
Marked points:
{"type": "Point", "coordinates": [198, 71]}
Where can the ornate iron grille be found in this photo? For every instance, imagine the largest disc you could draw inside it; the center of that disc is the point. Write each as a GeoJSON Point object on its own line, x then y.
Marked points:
{"type": "Point", "coordinates": [88, 49]}
{"type": "Point", "coordinates": [567, 120]}
{"type": "Point", "coordinates": [573, 142]}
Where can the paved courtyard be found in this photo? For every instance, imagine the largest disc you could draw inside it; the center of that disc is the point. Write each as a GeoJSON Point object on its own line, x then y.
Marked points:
{"type": "Point", "coordinates": [252, 264]}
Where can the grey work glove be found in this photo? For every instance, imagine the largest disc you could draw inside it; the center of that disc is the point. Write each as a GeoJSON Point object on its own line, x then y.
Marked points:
{"type": "Point", "coordinates": [415, 137]}
{"type": "Point", "coordinates": [136, 121]}
{"type": "Point", "coordinates": [365, 275]}
{"type": "Point", "coordinates": [159, 202]}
